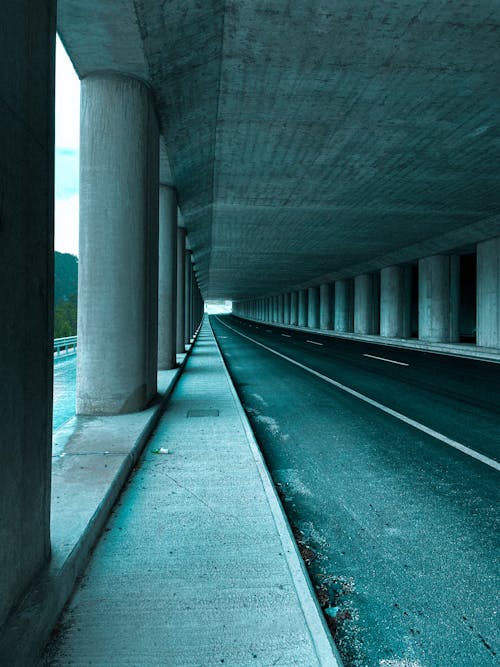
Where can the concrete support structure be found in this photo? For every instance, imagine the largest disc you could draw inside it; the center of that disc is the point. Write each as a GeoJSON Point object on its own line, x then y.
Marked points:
{"type": "Point", "coordinates": [488, 293]}
{"type": "Point", "coordinates": [395, 301]}
{"type": "Point", "coordinates": [366, 304]}
{"type": "Point", "coordinates": [302, 308]}
{"type": "Point", "coordinates": [118, 264]}
{"type": "Point", "coordinates": [294, 308]}
{"type": "Point", "coordinates": [438, 298]}
{"type": "Point", "coordinates": [27, 44]}
{"type": "Point", "coordinates": [344, 306]}
{"type": "Point", "coordinates": [326, 306]}
{"type": "Point", "coordinates": [181, 294]}
{"type": "Point", "coordinates": [281, 309]}
{"type": "Point", "coordinates": [286, 308]}
{"type": "Point", "coordinates": [187, 298]}
{"type": "Point", "coordinates": [167, 278]}
{"type": "Point", "coordinates": [313, 307]}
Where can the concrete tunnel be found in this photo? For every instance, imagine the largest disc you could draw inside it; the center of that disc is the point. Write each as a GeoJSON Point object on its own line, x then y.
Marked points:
{"type": "Point", "coordinates": [327, 165]}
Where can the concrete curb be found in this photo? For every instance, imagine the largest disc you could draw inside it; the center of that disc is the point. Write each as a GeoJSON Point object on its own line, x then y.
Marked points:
{"type": "Point", "coordinates": [322, 640]}
{"type": "Point", "coordinates": [28, 628]}
{"type": "Point", "coordinates": [463, 350]}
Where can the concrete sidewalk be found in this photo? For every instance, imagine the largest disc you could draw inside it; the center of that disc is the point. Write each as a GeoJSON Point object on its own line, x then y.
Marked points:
{"type": "Point", "coordinates": [197, 565]}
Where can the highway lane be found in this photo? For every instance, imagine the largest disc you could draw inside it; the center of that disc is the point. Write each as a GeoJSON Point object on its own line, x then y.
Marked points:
{"type": "Point", "coordinates": [64, 388]}
{"type": "Point", "coordinates": [405, 526]}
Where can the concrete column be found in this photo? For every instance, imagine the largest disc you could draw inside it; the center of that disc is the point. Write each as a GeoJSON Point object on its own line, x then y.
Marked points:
{"type": "Point", "coordinates": [294, 308]}
{"type": "Point", "coordinates": [313, 307]}
{"type": "Point", "coordinates": [366, 304]}
{"type": "Point", "coordinates": [488, 293]}
{"type": "Point", "coordinates": [181, 290]}
{"type": "Point", "coordinates": [302, 308]}
{"type": "Point", "coordinates": [187, 297]}
{"type": "Point", "coordinates": [344, 305]}
{"type": "Point", "coordinates": [395, 302]}
{"type": "Point", "coordinates": [167, 278]}
{"type": "Point", "coordinates": [281, 309]}
{"type": "Point", "coordinates": [118, 264]}
{"type": "Point", "coordinates": [286, 308]}
{"type": "Point", "coordinates": [27, 43]}
{"type": "Point", "coordinates": [326, 306]}
{"type": "Point", "coordinates": [438, 298]}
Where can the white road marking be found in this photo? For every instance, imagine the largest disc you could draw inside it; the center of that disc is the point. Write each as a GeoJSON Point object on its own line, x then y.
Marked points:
{"type": "Point", "coordinates": [269, 331]}
{"type": "Point", "coordinates": [313, 342]}
{"type": "Point", "coordinates": [286, 335]}
{"type": "Point", "coordinates": [411, 422]}
{"type": "Point", "coordinates": [390, 361]}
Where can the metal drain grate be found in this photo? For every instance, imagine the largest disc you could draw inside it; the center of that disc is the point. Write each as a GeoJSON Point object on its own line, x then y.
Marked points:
{"type": "Point", "coordinates": [202, 413]}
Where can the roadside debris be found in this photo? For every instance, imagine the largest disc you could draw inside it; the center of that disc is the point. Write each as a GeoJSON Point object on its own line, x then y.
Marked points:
{"type": "Point", "coordinates": [161, 450]}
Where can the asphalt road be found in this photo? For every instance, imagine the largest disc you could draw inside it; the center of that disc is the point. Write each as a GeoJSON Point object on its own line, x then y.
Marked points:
{"type": "Point", "coordinates": [403, 527]}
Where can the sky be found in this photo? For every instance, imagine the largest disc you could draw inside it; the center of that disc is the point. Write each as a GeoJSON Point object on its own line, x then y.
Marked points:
{"type": "Point", "coordinates": [67, 150]}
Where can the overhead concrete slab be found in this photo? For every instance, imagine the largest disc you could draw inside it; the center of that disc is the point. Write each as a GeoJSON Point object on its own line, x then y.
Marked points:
{"type": "Point", "coordinates": [309, 138]}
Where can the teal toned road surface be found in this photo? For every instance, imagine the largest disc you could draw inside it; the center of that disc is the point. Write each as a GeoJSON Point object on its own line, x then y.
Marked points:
{"type": "Point", "coordinates": [64, 389]}
{"type": "Point", "coordinates": [405, 526]}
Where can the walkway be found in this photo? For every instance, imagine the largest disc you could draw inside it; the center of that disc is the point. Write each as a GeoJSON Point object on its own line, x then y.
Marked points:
{"type": "Point", "coordinates": [196, 565]}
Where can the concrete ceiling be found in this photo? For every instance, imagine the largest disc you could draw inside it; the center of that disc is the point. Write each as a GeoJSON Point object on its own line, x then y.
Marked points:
{"type": "Point", "coordinates": [312, 139]}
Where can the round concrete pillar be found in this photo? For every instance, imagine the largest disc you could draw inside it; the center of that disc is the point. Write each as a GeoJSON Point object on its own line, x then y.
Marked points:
{"type": "Point", "coordinates": [181, 291]}
{"type": "Point", "coordinates": [488, 293]}
{"type": "Point", "coordinates": [313, 307]}
{"type": "Point", "coordinates": [167, 278]}
{"type": "Point", "coordinates": [326, 306]}
{"type": "Point", "coordinates": [395, 302]}
{"type": "Point", "coordinates": [294, 308]}
{"type": "Point", "coordinates": [366, 304]}
{"type": "Point", "coordinates": [438, 298]}
{"type": "Point", "coordinates": [281, 309]}
{"type": "Point", "coordinates": [118, 265]}
{"type": "Point", "coordinates": [187, 297]}
{"type": "Point", "coordinates": [302, 308]}
{"type": "Point", "coordinates": [344, 306]}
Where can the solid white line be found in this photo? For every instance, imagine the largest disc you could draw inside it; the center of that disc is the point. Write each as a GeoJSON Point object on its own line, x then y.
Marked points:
{"type": "Point", "coordinates": [313, 342]}
{"type": "Point", "coordinates": [286, 335]}
{"type": "Point", "coordinates": [425, 429]}
{"type": "Point", "coordinates": [390, 361]}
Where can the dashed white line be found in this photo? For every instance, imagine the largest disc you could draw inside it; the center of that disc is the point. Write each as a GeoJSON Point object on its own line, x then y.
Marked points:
{"type": "Point", "coordinates": [411, 422]}
{"type": "Point", "coordinates": [314, 342]}
{"type": "Point", "coordinates": [269, 331]}
{"type": "Point", "coordinates": [286, 335]}
{"type": "Point", "coordinates": [390, 361]}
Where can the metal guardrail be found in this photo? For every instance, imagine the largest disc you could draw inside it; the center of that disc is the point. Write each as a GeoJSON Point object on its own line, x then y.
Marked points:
{"type": "Point", "coordinates": [65, 345]}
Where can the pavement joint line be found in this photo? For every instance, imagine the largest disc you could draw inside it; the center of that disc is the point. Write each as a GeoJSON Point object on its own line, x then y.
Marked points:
{"type": "Point", "coordinates": [390, 361]}
{"type": "Point", "coordinates": [321, 638]}
{"type": "Point", "coordinates": [380, 406]}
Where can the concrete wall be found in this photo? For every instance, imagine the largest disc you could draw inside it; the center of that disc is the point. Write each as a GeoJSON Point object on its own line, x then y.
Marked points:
{"type": "Point", "coordinates": [27, 42]}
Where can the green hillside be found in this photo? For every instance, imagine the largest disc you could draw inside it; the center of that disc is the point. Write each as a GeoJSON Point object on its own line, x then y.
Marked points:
{"type": "Point", "coordinates": [65, 294]}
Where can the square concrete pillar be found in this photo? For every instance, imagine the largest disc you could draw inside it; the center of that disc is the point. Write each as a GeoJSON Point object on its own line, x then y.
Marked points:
{"type": "Point", "coordinates": [302, 308]}
{"type": "Point", "coordinates": [326, 306]}
{"type": "Point", "coordinates": [395, 302]}
{"type": "Point", "coordinates": [438, 298]}
{"type": "Point", "coordinates": [488, 293]}
{"type": "Point", "coordinates": [27, 51]}
{"type": "Point", "coordinates": [313, 307]}
{"type": "Point", "coordinates": [286, 308]}
{"type": "Point", "coordinates": [366, 304]}
{"type": "Point", "coordinates": [294, 308]}
{"type": "Point", "coordinates": [344, 306]}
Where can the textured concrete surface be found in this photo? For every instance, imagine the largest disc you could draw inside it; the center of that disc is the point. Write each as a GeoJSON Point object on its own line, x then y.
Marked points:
{"type": "Point", "coordinates": [196, 565]}
{"type": "Point", "coordinates": [91, 459]}
{"type": "Point", "coordinates": [26, 294]}
{"type": "Point", "coordinates": [118, 259]}
{"type": "Point", "coordinates": [368, 132]}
